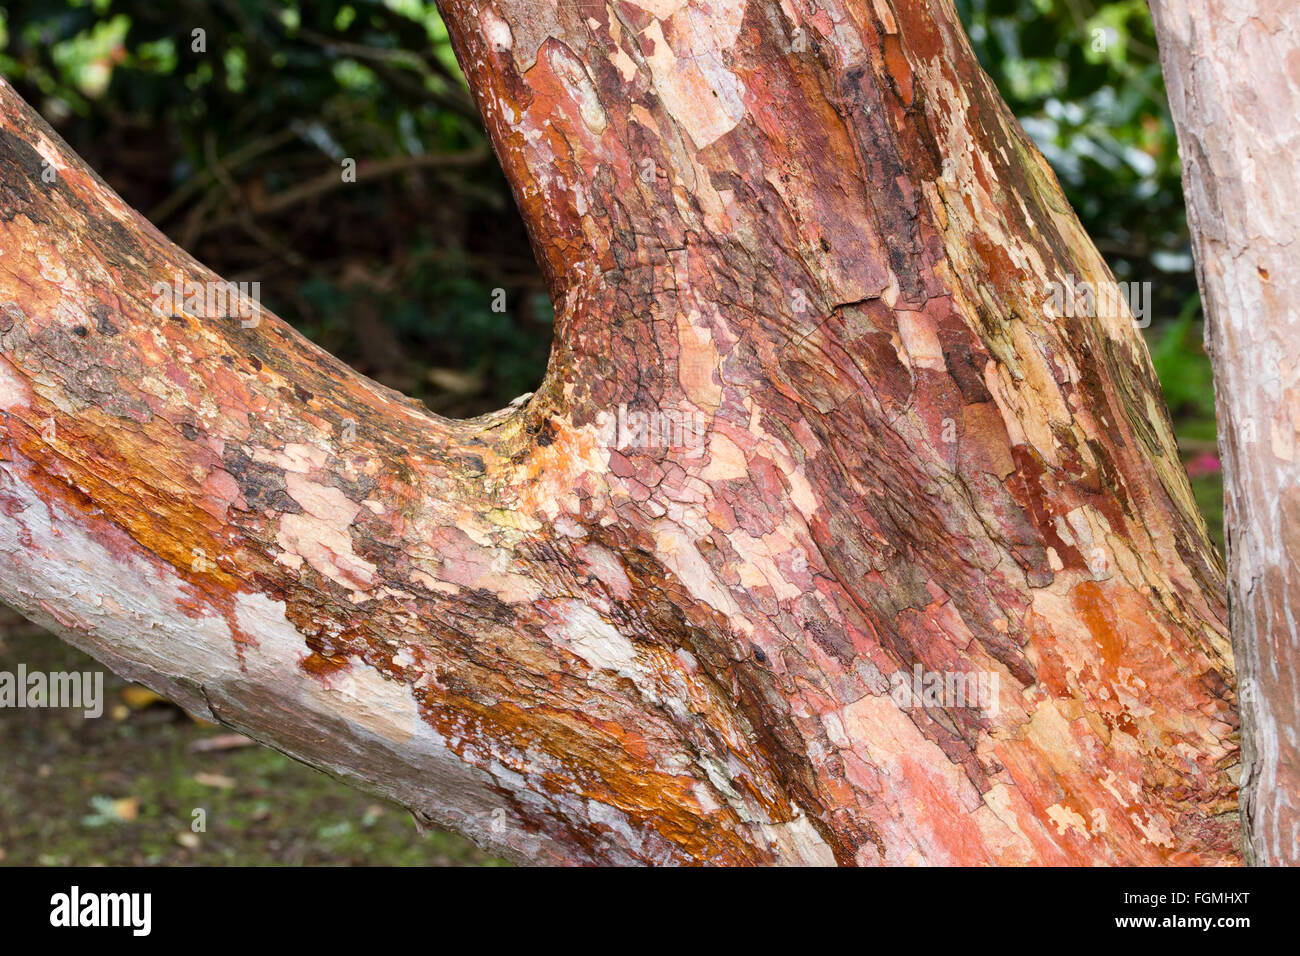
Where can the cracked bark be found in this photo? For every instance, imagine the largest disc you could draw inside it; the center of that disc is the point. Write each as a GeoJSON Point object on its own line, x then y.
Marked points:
{"type": "Point", "coordinates": [816, 230]}
{"type": "Point", "coordinates": [1238, 138]}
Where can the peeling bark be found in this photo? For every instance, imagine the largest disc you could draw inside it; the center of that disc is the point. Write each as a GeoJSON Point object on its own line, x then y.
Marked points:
{"type": "Point", "coordinates": [810, 245]}
{"type": "Point", "coordinates": [1233, 74]}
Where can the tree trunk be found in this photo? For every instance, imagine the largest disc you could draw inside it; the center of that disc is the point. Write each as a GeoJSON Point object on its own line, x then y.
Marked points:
{"type": "Point", "coordinates": [810, 432]}
{"type": "Point", "coordinates": [1233, 73]}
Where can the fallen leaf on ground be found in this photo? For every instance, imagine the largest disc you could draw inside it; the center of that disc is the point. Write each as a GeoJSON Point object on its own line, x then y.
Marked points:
{"type": "Point", "coordinates": [215, 780]}
{"type": "Point", "coordinates": [138, 698]}
{"type": "Point", "coordinates": [220, 742]}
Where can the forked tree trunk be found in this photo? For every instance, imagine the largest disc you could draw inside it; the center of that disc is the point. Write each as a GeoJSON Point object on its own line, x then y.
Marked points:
{"type": "Point", "coordinates": [1233, 73]}
{"type": "Point", "coordinates": [815, 231]}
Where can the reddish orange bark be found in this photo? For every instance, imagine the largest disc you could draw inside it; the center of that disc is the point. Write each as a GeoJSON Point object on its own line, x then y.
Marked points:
{"type": "Point", "coordinates": [811, 247]}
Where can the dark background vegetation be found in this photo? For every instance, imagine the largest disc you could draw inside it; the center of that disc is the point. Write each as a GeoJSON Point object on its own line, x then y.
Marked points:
{"type": "Point", "coordinates": [235, 154]}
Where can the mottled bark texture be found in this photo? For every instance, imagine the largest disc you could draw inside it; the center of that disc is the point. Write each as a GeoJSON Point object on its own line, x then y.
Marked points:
{"type": "Point", "coordinates": [1233, 73]}
{"type": "Point", "coordinates": [810, 230]}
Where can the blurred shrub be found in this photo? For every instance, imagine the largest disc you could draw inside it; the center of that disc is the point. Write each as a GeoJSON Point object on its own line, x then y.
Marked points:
{"type": "Point", "coordinates": [228, 124]}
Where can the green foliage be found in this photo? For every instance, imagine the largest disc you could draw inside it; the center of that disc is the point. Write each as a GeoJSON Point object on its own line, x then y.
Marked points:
{"type": "Point", "coordinates": [1084, 80]}
{"type": "Point", "coordinates": [1185, 377]}
{"type": "Point", "coordinates": [199, 113]}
